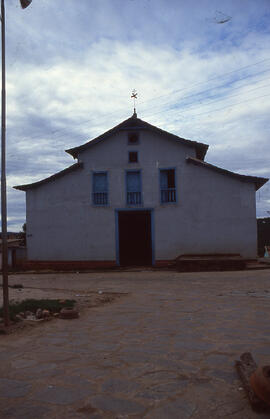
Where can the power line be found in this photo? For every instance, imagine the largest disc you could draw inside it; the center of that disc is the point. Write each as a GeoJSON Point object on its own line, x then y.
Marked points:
{"type": "Point", "coordinates": [232, 105]}
{"type": "Point", "coordinates": [193, 115]}
{"type": "Point", "coordinates": [220, 99]}
{"type": "Point", "coordinates": [105, 117]}
{"type": "Point", "coordinates": [213, 78]}
{"type": "Point", "coordinates": [200, 92]}
{"type": "Point", "coordinates": [231, 96]}
{"type": "Point", "coordinates": [220, 86]}
{"type": "Point", "coordinates": [162, 110]}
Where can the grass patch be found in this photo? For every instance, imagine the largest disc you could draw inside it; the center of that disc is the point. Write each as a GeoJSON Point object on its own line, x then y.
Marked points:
{"type": "Point", "coordinates": [31, 304]}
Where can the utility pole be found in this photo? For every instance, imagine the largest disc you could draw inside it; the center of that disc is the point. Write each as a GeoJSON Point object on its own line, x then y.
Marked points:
{"type": "Point", "coordinates": [24, 4]}
{"type": "Point", "coordinates": [3, 172]}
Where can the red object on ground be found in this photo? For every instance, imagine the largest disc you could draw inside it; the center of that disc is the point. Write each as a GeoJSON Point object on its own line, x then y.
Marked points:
{"type": "Point", "coordinates": [260, 383]}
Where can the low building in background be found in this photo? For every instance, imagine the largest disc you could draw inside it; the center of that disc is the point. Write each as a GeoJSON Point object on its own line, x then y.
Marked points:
{"type": "Point", "coordinates": [15, 252]}
{"type": "Point", "coordinates": [263, 225]}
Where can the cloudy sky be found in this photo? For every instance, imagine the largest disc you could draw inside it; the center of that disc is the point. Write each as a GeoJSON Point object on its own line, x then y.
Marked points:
{"type": "Point", "coordinates": [201, 69]}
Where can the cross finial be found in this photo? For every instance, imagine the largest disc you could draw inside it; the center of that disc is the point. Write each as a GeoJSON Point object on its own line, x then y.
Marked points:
{"type": "Point", "coordinates": [134, 97]}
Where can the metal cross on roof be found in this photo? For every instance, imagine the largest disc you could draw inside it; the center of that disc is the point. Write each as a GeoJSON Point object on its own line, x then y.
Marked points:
{"type": "Point", "coordinates": [133, 96]}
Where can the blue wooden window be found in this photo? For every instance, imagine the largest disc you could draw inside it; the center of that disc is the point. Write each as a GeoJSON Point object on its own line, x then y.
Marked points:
{"type": "Point", "coordinates": [100, 188]}
{"type": "Point", "coordinates": [167, 185]}
{"type": "Point", "coordinates": [134, 194]}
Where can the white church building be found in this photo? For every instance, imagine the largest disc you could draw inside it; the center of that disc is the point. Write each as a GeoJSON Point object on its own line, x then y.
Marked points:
{"type": "Point", "coordinates": [138, 195]}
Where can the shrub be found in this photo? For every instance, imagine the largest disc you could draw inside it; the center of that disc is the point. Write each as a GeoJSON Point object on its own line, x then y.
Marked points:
{"type": "Point", "coordinates": [54, 306]}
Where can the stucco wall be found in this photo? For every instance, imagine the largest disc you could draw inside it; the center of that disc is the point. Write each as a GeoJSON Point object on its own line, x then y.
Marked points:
{"type": "Point", "coordinates": [213, 212]}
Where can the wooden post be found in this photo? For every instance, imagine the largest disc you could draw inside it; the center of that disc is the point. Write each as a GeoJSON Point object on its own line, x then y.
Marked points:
{"type": "Point", "coordinates": [3, 174]}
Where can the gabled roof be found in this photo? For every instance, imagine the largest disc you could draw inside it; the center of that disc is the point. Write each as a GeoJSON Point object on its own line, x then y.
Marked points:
{"type": "Point", "coordinates": [50, 178]}
{"type": "Point", "coordinates": [133, 124]}
{"type": "Point", "coordinates": [259, 181]}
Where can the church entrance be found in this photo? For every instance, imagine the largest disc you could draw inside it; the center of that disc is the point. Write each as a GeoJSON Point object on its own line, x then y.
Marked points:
{"type": "Point", "coordinates": [135, 238]}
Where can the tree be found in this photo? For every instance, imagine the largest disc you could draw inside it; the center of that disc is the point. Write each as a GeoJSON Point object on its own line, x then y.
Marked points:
{"type": "Point", "coordinates": [23, 234]}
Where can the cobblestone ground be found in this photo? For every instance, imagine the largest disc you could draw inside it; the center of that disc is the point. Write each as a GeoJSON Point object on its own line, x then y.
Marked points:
{"type": "Point", "coordinates": [164, 350]}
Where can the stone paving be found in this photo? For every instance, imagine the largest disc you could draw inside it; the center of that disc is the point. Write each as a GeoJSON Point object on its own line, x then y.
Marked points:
{"type": "Point", "coordinates": [166, 349]}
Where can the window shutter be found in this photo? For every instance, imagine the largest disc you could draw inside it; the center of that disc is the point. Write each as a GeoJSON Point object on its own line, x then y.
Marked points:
{"type": "Point", "coordinates": [133, 182]}
{"type": "Point", "coordinates": [164, 179]}
{"type": "Point", "coordinates": [100, 182]}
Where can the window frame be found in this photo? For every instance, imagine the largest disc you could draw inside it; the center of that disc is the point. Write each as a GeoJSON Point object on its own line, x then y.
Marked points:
{"type": "Point", "coordinates": [166, 169]}
{"type": "Point", "coordinates": [99, 172]}
{"type": "Point", "coordinates": [131, 133]}
{"type": "Point", "coordinates": [137, 153]}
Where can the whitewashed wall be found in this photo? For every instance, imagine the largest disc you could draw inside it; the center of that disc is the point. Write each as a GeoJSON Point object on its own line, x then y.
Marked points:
{"type": "Point", "coordinates": [213, 213]}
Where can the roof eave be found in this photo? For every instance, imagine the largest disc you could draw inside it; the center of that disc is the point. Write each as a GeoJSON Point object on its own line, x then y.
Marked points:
{"type": "Point", "coordinates": [49, 179]}
{"type": "Point", "coordinates": [73, 152]}
{"type": "Point", "coordinates": [201, 150]}
{"type": "Point", "coordinates": [258, 181]}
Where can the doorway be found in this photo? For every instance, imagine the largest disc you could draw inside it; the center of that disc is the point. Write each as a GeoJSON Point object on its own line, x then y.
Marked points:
{"type": "Point", "coordinates": [135, 238]}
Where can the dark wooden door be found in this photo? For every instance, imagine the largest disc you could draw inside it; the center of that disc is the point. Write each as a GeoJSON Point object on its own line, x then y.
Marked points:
{"type": "Point", "coordinates": [135, 241]}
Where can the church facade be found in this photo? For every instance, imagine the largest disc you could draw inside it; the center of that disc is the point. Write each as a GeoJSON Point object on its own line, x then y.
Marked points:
{"type": "Point", "coordinates": [138, 195]}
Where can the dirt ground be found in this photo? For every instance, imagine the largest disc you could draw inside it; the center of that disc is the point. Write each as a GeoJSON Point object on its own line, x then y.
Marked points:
{"type": "Point", "coordinates": [163, 348]}
{"type": "Point", "coordinates": [84, 299]}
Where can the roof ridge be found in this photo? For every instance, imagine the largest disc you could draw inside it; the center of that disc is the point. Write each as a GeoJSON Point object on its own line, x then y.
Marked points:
{"type": "Point", "coordinates": [133, 123]}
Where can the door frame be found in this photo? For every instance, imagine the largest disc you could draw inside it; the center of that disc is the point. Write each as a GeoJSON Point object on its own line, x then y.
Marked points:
{"type": "Point", "coordinates": [151, 210]}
